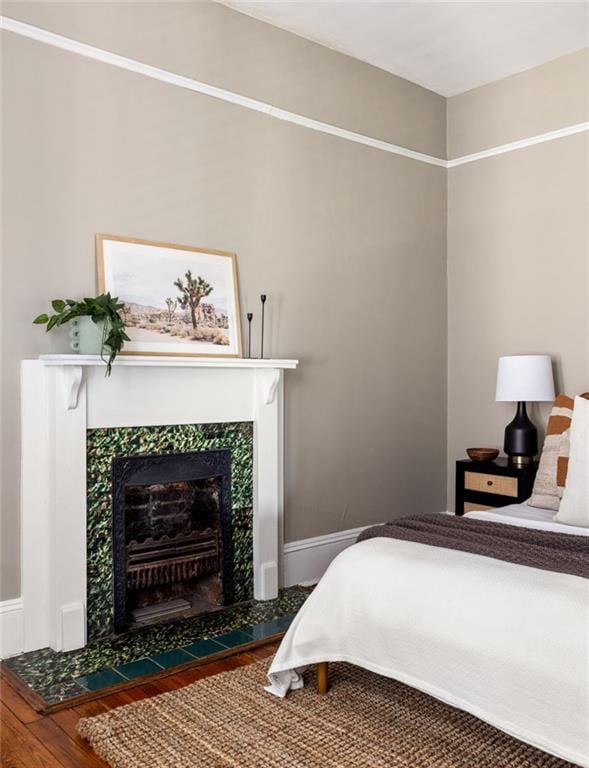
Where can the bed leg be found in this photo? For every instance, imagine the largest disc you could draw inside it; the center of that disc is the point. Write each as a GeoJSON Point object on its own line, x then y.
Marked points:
{"type": "Point", "coordinates": [322, 677]}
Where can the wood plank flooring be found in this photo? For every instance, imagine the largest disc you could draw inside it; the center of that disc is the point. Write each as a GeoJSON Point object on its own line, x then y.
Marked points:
{"type": "Point", "coordinates": [31, 740]}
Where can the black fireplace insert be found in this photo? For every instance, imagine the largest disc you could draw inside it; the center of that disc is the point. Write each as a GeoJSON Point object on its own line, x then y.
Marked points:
{"type": "Point", "coordinates": [172, 536]}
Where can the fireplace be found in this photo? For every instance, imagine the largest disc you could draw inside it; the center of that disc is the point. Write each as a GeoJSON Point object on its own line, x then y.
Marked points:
{"type": "Point", "coordinates": [75, 422]}
{"type": "Point", "coordinates": [172, 536]}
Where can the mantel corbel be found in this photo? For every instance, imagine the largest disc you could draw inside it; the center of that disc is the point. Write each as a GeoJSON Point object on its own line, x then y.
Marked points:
{"type": "Point", "coordinates": [71, 381]}
{"type": "Point", "coordinates": [269, 380]}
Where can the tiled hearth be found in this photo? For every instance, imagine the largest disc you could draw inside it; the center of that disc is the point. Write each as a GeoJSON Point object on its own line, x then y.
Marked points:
{"type": "Point", "coordinates": [59, 677]}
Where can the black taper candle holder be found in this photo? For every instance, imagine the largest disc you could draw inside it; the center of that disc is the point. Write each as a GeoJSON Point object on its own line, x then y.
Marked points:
{"type": "Point", "coordinates": [263, 300]}
{"type": "Point", "coordinates": [250, 317]}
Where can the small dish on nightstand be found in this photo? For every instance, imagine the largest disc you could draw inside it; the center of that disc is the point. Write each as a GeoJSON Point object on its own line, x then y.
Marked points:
{"type": "Point", "coordinates": [482, 454]}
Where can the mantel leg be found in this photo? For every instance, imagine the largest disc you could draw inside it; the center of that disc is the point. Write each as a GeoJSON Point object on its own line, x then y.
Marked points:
{"type": "Point", "coordinates": [268, 482]}
{"type": "Point", "coordinates": [322, 677]}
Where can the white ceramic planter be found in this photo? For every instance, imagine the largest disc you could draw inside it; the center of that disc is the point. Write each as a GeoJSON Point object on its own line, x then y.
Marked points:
{"type": "Point", "coordinates": [86, 336]}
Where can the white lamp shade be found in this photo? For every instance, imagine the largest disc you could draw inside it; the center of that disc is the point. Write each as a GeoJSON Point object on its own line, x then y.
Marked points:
{"type": "Point", "coordinates": [525, 377]}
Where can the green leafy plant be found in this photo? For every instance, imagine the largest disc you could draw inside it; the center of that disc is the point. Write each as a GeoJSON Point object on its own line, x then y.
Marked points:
{"type": "Point", "coordinates": [102, 309]}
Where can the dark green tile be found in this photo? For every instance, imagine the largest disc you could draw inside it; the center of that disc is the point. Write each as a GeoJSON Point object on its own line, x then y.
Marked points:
{"type": "Point", "coordinates": [138, 668]}
{"type": "Point", "coordinates": [203, 648]}
{"type": "Point", "coordinates": [284, 622]}
{"type": "Point", "coordinates": [173, 658]}
{"type": "Point", "coordinates": [233, 639]}
{"type": "Point", "coordinates": [263, 629]}
{"type": "Point", "coordinates": [102, 679]}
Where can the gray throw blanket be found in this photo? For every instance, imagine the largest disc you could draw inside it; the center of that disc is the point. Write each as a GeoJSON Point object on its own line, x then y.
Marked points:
{"type": "Point", "coordinates": [549, 551]}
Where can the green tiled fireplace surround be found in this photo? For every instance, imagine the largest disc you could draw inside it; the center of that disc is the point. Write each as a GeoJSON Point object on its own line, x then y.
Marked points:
{"type": "Point", "coordinates": [106, 443]}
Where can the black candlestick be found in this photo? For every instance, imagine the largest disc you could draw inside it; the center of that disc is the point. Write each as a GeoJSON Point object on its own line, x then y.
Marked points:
{"type": "Point", "coordinates": [250, 317]}
{"type": "Point", "coordinates": [263, 300]}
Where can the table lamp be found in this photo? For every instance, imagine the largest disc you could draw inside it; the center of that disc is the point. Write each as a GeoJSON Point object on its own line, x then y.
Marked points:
{"type": "Point", "coordinates": [521, 379]}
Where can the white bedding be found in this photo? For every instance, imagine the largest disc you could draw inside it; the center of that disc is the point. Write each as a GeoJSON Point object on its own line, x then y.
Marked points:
{"type": "Point", "coordinates": [506, 642]}
{"type": "Point", "coordinates": [530, 517]}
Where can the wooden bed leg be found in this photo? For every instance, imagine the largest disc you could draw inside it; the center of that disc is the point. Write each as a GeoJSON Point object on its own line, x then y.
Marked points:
{"type": "Point", "coordinates": [322, 677]}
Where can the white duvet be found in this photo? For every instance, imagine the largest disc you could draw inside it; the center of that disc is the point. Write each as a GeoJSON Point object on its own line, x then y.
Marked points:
{"type": "Point", "coordinates": [506, 642]}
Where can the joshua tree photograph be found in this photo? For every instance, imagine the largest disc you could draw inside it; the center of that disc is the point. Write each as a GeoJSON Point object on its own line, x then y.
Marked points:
{"type": "Point", "coordinates": [177, 299]}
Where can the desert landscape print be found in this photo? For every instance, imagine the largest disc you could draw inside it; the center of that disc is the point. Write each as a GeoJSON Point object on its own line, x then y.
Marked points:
{"type": "Point", "coordinates": [176, 300]}
{"type": "Point", "coordinates": [183, 315]}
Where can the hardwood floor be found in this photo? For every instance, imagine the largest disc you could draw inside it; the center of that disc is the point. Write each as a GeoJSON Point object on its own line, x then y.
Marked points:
{"type": "Point", "coordinates": [31, 740]}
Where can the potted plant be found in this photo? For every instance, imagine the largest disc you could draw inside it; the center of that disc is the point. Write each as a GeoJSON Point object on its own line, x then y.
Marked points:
{"type": "Point", "coordinates": [100, 328]}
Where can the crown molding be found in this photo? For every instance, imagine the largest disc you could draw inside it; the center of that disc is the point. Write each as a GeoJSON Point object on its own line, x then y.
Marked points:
{"type": "Point", "coordinates": [541, 138]}
{"type": "Point", "coordinates": [181, 81]}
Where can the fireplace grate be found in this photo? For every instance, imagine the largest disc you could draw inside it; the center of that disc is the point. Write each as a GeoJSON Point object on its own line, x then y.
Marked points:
{"type": "Point", "coordinates": [165, 560]}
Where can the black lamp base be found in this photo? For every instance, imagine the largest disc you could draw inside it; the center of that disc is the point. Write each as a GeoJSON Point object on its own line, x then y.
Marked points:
{"type": "Point", "coordinates": [521, 438]}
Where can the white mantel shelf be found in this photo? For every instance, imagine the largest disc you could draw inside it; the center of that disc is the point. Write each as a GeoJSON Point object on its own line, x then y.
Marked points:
{"type": "Point", "coordinates": [72, 368]}
{"type": "Point", "coordinates": [169, 361]}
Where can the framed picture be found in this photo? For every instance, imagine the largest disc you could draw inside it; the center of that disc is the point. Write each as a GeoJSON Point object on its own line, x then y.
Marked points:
{"type": "Point", "coordinates": [179, 300]}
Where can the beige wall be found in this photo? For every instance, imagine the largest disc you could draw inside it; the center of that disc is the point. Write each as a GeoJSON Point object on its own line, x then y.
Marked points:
{"type": "Point", "coordinates": [349, 242]}
{"type": "Point", "coordinates": [216, 45]}
{"type": "Point", "coordinates": [518, 245]}
{"type": "Point", "coordinates": [543, 99]}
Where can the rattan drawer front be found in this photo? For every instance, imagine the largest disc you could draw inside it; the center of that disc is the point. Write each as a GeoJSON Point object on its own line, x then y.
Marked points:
{"type": "Point", "coordinates": [502, 486]}
{"type": "Point", "coordinates": [470, 506]}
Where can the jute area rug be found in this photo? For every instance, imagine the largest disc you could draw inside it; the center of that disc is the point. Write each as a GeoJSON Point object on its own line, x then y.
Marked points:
{"type": "Point", "coordinates": [365, 721]}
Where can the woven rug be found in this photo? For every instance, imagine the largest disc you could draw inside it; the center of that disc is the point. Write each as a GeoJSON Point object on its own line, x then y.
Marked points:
{"type": "Point", "coordinates": [365, 721]}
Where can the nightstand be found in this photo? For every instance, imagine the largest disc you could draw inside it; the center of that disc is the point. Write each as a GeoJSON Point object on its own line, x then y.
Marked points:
{"type": "Point", "coordinates": [486, 484]}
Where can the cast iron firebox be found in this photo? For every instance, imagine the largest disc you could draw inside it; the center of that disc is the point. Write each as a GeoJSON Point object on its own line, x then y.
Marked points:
{"type": "Point", "coordinates": [171, 526]}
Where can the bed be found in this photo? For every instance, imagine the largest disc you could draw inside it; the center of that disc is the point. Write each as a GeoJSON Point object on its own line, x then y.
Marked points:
{"type": "Point", "coordinates": [508, 643]}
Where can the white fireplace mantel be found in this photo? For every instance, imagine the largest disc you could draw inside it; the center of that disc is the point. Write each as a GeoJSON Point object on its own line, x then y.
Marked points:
{"type": "Point", "coordinates": [73, 366]}
{"type": "Point", "coordinates": [62, 396]}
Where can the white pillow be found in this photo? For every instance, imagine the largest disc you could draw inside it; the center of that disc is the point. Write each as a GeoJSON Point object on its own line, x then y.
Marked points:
{"type": "Point", "coordinates": [574, 507]}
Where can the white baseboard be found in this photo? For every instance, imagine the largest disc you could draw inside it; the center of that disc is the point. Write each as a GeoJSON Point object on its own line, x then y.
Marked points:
{"type": "Point", "coordinates": [11, 627]}
{"type": "Point", "coordinates": [305, 561]}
